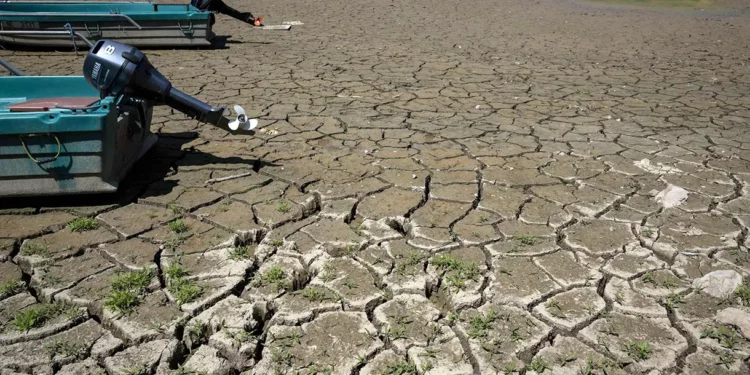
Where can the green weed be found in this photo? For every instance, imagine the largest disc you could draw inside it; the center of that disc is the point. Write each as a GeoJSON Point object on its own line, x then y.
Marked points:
{"type": "Point", "coordinates": [639, 350]}
{"type": "Point", "coordinates": [178, 226]}
{"type": "Point", "coordinates": [32, 248]}
{"type": "Point", "coordinates": [241, 252]}
{"type": "Point", "coordinates": [83, 224]}
{"type": "Point", "coordinates": [37, 316]}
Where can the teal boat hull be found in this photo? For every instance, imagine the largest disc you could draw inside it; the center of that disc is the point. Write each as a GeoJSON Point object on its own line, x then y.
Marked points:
{"type": "Point", "coordinates": [60, 151]}
{"type": "Point", "coordinates": [136, 24]}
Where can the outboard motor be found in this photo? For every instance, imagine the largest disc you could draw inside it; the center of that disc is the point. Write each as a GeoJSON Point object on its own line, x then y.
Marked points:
{"type": "Point", "coordinates": [118, 69]}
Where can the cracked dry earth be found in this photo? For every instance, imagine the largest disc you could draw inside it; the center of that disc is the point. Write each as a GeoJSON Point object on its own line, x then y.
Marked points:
{"type": "Point", "coordinates": [533, 187]}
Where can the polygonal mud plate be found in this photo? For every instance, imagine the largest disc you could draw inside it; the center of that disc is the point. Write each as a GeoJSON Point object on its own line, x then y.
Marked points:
{"type": "Point", "coordinates": [572, 309]}
{"type": "Point", "coordinates": [212, 263]}
{"type": "Point", "coordinates": [496, 334]}
{"type": "Point", "coordinates": [155, 317]}
{"type": "Point", "coordinates": [51, 278]}
{"type": "Point", "coordinates": [142, 358]}
{"type": "Point", "coordinates": [275, 277]}
{"type": "Point", "coordinates": [407, 320]}
{"type": "Point", "coordinates": [349, 279]}
{"type": "Point", "coordinates": [335, 342]}
{"type": "Point", "coordinates": [461, 272]}
{"type": "Point", "coordinates": [443, 357]}
{"type": "Point", "coordinates": [649, 343]}
{"type": "Point", "coordinates": [631, 301]}
{"type": "Point", "coordinates": [57, 318]}
{"type": "Point", "coordinates": [567, 270]}
{"type": "Point", "coordinates": [407, 275]}
{"type": "Point", "coordinates": [519, 281]}
{"type": "Point", "coordinates": [568, 356]}
{"type": "Point", "coordinates": [304, 305]}
{"type": "Point", "coordinates": [83, 340]}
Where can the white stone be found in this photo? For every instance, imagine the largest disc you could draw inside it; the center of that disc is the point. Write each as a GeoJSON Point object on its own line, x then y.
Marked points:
{"type": "Point", "coordinates": [719, 284]}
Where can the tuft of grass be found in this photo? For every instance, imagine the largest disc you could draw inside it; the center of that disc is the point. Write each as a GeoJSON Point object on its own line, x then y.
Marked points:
{"type": "Point", "coordinates": [184, 291]}
{"type": "Point", "coordinates": [11, 287]}
{"type": "Point", "coordinates": [127, 291]}
{"type": "Point", "coordinates": [178, 226]}
{"type": "Point", "coordinates": [539, 365]}
{"type": "Point", "coordinates": [314, 295]}
{"type": "Point", "coordinates": [457, 273]}
{"type": "Point", "coordinates": [274, 276]}
{"type": "Point", "coordinates": [241, 252]}
{"type": "Point", "coordinates": [83, 224]}
{"type": "Point", "coordinates": [526, 239]}
{"type": "Point", "coordinates": [743, 293]}
{"type": "Point", "coordinates": [412, 259]}
{"type": "Point", "coordinates": [32, 248]}
{"type": "Point", "coordinates": [283, 208]}
{"type": "Point", "coordinates": [37, 316]}
{"type": "Point", "coordinates": [329, 273]}
{"type": "Point", "coordinates": [277, 243]}
{"type": "Point", "coordinates": [399, 367]}
{"type": "Point", "coordinates": [639, 350]}
{"type": "Point", "coordinates": [553, 307]}
{"type": "Point", "coordinates": [479, 325]}
{"type": "Point", "coordinates": [65, 349]}
{"type": "Point", "coordinates": [725, 335]}
{"type": "Point", "coordinates": [135, 280]}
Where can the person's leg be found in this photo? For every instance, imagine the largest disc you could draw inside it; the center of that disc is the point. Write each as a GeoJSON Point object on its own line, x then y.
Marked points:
{"type": "Point", "coordinates": [220, 7]}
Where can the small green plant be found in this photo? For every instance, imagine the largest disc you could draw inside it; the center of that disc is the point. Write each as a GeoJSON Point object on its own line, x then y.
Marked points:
{"type": "Point", "coordinates": [509, 369]}
{"type": "Point", "coordinates": [412, 259]}
{"type": "Point", "coordinates": [83, 224]}
{"type": "Point", "coordinates": [32, 248]}
{"type": "Point", "coordinates": [178, 226]}
{"type": "Point", "coordinates": [175, 270]}
{"type": "Point", "coordinates": [241, 252]}
{"type": "Point", "coordinates": [274, 276]}
{"type": "Point", "coordinates": [743, 293]}
{"type": "Point", "coordinates": [239, 336]}
{"type": "Point", "coordinates": [65, 349]}
{"type": "Point", "coordinates": [177, 210]}
{"type": "Point", "coordinates": [350, 285]}
{"type": "Point", "coordinates": [133, 280]}
{"type": "Point", "coordinates": [37, 316]}
{"type": "Point", "coordinates": [564, 359]}
{"type": "Point", "coordinates": [639, 350]}
{"type": "Point", "coordinates": [399, 367]}
{"type": "Point", "coordinates": [526, 239]}
{"type": "Point", "coordinates": [283, 208]}
{"type": "Point", "coordinates": [457, 273]}
{"type": "Point", "coordinates": [554, 309]}
{"type": "Point", "coordinates": [127, 290]}
{"type": "Point", "coordinates": [313, 294]}
{"type": "Point", "coordinates": [328, 274]}
{"type": "Point", "coordinates": [395, 333]}
{"type": "Point", "coordinates": [10, 287]}
{"type": "Point", "coordinates": [479, 325]}
{"type": "Point", "coordinates": [725, 335]}
{"type": "Point", "coordinates": [197, 332]}
{"type": "Point", "coordinates": [183, 290]}
{"type": "Point", "coordinates": [539, 365]}
{"type": "Point", "coordinates": [649, 278]}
